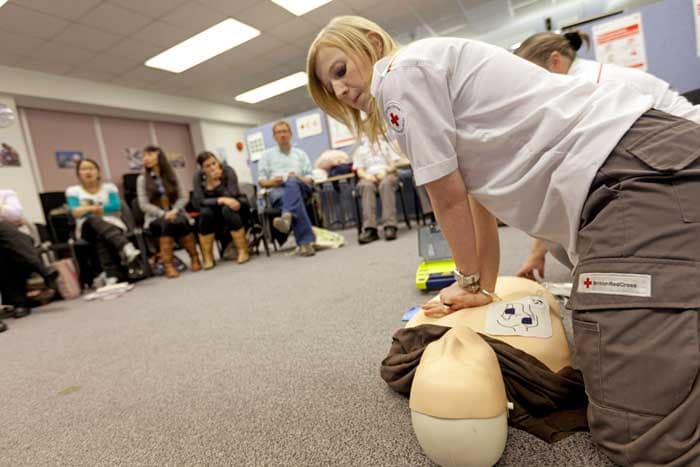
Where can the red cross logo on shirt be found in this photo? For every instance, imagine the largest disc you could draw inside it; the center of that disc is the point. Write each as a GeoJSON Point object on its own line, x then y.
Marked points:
{"type": "Point", "coordinates": [395, 116]}
{"type": "Point", "coordinates": [394, 119]}
{"type": "Point", "coordinates": [587, 283]}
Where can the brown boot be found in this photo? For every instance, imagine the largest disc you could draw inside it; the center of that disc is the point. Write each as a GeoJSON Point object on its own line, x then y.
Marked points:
{"type": "Point", "coordinates": [167, 244]}
{"type": "Point", "coordinates": [241, 242]}
{"type": "Point", "coordinates": [190, 246]}
{"type": "Point", "coordinates": [206, 244]}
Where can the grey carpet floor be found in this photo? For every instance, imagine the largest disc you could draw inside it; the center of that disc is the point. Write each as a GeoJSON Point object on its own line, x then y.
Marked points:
{"type": "Point", "coordinates": [272, 363]}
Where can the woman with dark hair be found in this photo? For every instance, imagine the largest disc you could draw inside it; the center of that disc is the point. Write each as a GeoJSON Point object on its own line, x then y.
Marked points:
{"type": "Point", "coordinates": [96, 208]}
{"type": "Point", "coordinates": [558, 53]}
{"type": "Point", "coordinates": [162, 200]}
{"type": "Point", "coordinates": [221, 204]}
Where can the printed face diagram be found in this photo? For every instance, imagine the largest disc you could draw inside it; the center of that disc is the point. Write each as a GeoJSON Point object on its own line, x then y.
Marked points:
{"type": "Point", "coordinates": [528, 316]}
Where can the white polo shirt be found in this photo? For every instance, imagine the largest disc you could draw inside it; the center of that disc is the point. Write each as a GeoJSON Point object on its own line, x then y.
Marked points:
{"type": "Point", "coordinates": [665, 98]}
{"type": "Point", "coordinates": [526, 142]}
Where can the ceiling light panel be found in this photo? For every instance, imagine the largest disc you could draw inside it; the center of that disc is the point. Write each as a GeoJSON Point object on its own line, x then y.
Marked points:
{"type": "Point", "coordinates": [203, 46]}
{"type": "Point", "coordinates": [274, 88]}
{"type": "Point", "coordinates": [300, 7]}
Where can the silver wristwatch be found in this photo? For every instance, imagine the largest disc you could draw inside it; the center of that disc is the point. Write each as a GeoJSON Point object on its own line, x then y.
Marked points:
{"type": "Point", "coordinates": [470, 282]}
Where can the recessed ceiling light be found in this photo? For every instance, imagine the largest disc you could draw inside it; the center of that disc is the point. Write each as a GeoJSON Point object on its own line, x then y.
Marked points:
{"type": "Point", "coordinates": [2, 2]}
{"type": "Point", "coordinates": [300, 7]}
{"type": "Point", "coordinates": [274, 88]}
{"type": "Point", "coordinates": [203, 46]}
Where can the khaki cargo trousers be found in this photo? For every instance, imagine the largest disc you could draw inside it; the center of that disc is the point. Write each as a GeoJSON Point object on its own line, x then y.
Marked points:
{"type": "Point", "coordinates": [637, 294]}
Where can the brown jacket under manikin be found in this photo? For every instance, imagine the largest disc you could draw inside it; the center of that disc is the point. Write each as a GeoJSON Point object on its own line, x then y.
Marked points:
{"type": "Point", "coordinates": [548, 405]}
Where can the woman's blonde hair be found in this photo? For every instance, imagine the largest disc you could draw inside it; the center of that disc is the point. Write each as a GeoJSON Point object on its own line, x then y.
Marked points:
{"type": "Point", "coordinates": [350, 34]}
{"type": "Point", "coordinates": [538, 47]}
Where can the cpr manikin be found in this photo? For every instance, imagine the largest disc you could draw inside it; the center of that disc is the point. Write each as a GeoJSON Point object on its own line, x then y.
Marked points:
{"type": "Point", "coordinates": [458, 401]}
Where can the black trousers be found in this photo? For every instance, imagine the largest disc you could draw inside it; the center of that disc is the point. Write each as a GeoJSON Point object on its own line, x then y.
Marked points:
{"type": "Point", "coordinates": [213, 219]}
{"type": "Point", "coordinates": [176, 229]}
{"type": "Point", "coordinates": [108, 241]}
{"type": "Point", "coordinates": [18, 260]}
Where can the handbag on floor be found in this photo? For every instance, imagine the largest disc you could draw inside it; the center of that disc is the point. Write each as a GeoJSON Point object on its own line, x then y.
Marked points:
{"type": "Point", "coordinates": [67, 282]}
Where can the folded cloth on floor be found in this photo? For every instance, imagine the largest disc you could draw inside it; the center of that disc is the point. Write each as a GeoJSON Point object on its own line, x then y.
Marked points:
{"type": "Point", "coordinates": [548, 405]}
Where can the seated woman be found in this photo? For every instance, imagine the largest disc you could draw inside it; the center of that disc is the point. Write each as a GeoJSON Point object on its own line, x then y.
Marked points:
{"type": "Point", "coordinates": [466, 369]}
{"type": "Point", "coordinates": [221, 206]}
{"type": "Point", "coordinates": [162, 200]}
{"type": "Point", "coordinates": [96, 207]}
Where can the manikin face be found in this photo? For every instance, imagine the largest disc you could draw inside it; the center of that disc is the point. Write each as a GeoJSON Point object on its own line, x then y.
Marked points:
{"type": "Point", "coordinates": [212, 168]}
{"type": "Point", "coordinates": [88, 173]}
{"type": "Point", "coordinates": [347, 78]}
{"type": "Point", "coordinates": [282, 135]}
{"type": "Point", "coordinates": [150, 159]}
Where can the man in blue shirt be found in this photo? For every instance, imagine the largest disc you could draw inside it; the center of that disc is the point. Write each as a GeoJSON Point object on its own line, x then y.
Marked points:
{"type": "Point", "coordinates": [286, 172]}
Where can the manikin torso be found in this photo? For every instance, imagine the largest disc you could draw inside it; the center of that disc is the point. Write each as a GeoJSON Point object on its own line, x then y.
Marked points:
{"type": "Point", "coordinates": [458, 401]}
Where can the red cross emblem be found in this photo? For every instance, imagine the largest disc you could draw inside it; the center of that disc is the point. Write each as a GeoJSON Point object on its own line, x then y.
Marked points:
{"type": "Point", "coordinates": [395, 116]}
{"type": "Point", "coordinates": [587, 283]}
{"type": "Point", "coordinates": [394, 119]}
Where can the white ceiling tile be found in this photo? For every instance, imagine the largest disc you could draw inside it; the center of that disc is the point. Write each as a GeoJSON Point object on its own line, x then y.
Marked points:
{"type": "Point", "coordinates": [150, 8]}
{"type": "Point", "coordinates": [115, 19]}
{"type": "Point", "coordinates": [111, 64]}
{"type": "Point", "coordinates": [59, 8]}
{"type": "Point", "coordinates": [161, 34]}
{"type": "Point", "coordinates": [15, 43]}
{"type": "Point", "coordinates": [134, 49]}
{"type": "Point", "coordinates": [322, 15]}
{"type": "Point", "coordinates": [294, 29]}
{"type": "Point", "coordinates": [194, 15]}
{"type": "Point", "coordinates": [9, 59]}
{"type": "Point", "coordinates": [61, 54]}
{"type": "Point", "coordinates": [230, 7]}
{"type": "Point", "coordinates": [45, 66]}
{"type": "Point", "coordinates": [92, 75]}
{"type": "Point", "coordinates": [32, 23]}
{"type": "Point", "coordinates": [265, 16]}
{"type": "Point", "coordinates": [362, 4]}
{"type": "Point", "coordinates": [305, 41]}
{"type": "Point", "coordinates": [146, 74]}
{"type": "Point", "coordinates": [254, 48]}
{"type": "Point", "coordinates": [86, 37]}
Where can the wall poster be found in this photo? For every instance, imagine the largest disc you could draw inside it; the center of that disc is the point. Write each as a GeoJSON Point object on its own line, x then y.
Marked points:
{"type": "Point", "coordinates": [621, 41]}
{"type": "Point", "coordinates": [68, 159]}
{"type": "Point", "coordinates": [309, 125]}
{"type": "Point", "coordinates": [341, 135]}
{"type": "Point", "coordinates": [256, 146]}
{"type": "Point", "coordinates": [9, 157]}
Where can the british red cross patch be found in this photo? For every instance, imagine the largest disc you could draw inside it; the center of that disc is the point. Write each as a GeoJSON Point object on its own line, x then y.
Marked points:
{"type": "Point", "coordinates": [395, 117]}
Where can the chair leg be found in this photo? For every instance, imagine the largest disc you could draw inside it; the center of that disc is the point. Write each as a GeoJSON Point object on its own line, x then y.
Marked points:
{"type": "Point", "coordinates": [356, 205]}
{"type": "Point", "coordinates": [403, 206]}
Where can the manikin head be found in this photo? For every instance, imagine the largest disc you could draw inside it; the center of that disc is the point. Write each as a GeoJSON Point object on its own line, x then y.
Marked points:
{"type": "Point", "coordinates": [555, 52]}
{"type": "Point", "coordinates": [458, 401]}
{"type": "Point", "coordinates": [339, 66]}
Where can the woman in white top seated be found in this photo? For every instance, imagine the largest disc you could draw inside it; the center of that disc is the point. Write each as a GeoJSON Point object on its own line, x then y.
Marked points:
{"type": "Point", "coordinates": [96, 207]}
{"type": "Point", "coordinates": [558, 54]}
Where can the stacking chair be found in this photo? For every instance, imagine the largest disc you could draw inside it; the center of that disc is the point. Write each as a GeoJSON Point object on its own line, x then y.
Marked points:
{"type": "Point", "coordinates": [269, 213]}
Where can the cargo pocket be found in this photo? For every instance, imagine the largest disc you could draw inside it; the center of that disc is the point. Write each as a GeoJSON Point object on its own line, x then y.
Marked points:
{"type": "Point", "coordinates": [587, 344]}
{"type": "Point", "coordinates": [638, 352]}
{"type": "Point", "coordinates": [671, 149]}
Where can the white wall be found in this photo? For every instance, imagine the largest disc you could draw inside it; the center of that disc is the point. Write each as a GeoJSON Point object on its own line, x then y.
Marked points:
{"type": "Point", "coordinates": [219, 137]}
{"type": "Point", "coordinates": [73, 91]}
{"type": "Point", "coordinates": [20, 178]}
